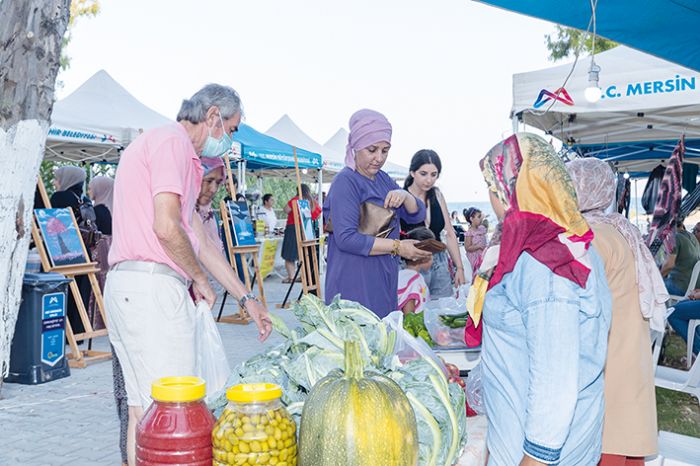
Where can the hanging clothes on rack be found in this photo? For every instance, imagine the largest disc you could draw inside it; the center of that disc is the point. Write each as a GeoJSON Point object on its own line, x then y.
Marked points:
{"type": "Point", "coordinates": [651, 191]}
{"type": "Point", "coordinates": [623, 195]}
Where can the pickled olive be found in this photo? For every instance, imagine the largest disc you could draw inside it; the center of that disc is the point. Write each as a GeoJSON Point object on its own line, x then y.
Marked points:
{"type": "Point", "coordinates": [248, 437]}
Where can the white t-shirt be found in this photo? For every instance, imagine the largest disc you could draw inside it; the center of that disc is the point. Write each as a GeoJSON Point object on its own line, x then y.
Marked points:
{"type": "Point", "coordinates": [268, 215]}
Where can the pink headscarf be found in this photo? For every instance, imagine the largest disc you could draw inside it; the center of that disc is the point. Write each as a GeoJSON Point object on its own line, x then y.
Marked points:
{"type": "Point", "coordinates": [367, 127]}
{"type": "Point", "coordinates": [595, 185]}
{"type": "Point", "coordinates": [102, 188]}
{"type": "Point", "coordinates": [211, 163]}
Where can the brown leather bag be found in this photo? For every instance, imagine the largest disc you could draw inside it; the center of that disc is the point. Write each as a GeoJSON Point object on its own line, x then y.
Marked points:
{"type": "Point", "coordinates": [375, 220]}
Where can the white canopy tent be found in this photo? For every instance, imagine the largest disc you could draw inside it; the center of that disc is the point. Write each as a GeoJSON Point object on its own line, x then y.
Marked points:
{"type": "Point", "coordinates": [285, 129]}
{"type": "Point", "coordinates": [647, 104]}
{"type": "Point", "coordinates": [339, 141]}
{"type": "Point", "coordinates": [97, 121]}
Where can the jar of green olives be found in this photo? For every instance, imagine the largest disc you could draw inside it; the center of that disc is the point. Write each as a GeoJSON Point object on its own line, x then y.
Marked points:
{"type": "Point", "coordinates": [255, 428]}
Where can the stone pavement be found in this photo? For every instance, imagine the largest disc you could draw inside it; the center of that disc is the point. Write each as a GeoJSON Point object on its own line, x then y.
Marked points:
{"type": "Point", "coordinates": [73, 421]}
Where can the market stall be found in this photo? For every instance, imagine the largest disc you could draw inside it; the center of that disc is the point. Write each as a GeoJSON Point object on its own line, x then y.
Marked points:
{"type": "Point", "coordinates": [97, 121]}
{"type": "Point", "coordinates": [646, 105]}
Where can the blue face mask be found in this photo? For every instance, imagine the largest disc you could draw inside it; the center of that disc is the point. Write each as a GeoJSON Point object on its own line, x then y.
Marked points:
{"type": "Point", "coordinates": [214, 148]}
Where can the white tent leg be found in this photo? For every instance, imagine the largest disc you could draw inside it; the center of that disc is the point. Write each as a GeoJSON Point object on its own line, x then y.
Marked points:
{"type": "Point", "coordinates": [636, 204]}
{"type": "Point", "coordinates": [515, 123]}
{"type": "Point", "coordinates": [321, 261]}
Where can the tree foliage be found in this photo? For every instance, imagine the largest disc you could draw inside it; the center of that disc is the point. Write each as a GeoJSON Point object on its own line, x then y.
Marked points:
{"type": "Point", "coordinates": [78, 9]}
{"type": "Point", "coordinates": [566, 41]}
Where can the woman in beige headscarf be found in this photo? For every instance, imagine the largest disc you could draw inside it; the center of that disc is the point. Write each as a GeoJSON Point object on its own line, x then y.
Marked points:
{"type": "Point", "coordinates": [638, 292]}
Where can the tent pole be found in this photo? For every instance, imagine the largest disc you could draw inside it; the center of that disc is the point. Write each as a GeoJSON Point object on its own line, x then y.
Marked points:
{"type": "Point", "coordinates": [296, 170]}
{"type": "Point", "coordinates": [636, 204]}
{"type": "Point", "coordinates": [515, 123]}
{"type": "Point", "coordinates": [229, 178]}
{"type": "Point", "coordinates": [322, 263]}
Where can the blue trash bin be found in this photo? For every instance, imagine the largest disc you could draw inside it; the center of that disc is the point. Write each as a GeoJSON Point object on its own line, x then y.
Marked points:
{"type": "Point", "coordinates": [38, 346]}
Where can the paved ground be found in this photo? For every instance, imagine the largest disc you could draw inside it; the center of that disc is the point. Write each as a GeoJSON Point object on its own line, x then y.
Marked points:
{"type": "Point", "coordinates": [74, 421]}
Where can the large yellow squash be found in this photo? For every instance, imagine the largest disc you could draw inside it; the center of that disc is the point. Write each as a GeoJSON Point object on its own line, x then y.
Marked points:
{"type": "Point", "coordinates": [357, 418]}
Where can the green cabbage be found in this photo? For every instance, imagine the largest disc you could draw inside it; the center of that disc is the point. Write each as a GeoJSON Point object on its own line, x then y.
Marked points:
{"type": "Point", "coordinates": [310, 352]}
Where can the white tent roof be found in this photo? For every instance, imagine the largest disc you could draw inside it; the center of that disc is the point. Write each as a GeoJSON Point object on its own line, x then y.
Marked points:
{"type": "Point", "coordinates": [644, 99]}
{"type": "Point", "coordinates": [96, 121]}
{"type": "Point", "coordinates": [285, 129]}
{"type": "Point", "coordinates": [339, 141]}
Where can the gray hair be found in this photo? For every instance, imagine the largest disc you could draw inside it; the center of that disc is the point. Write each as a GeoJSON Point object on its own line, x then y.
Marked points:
{"type": "Point", "coordinates": [225, 98]}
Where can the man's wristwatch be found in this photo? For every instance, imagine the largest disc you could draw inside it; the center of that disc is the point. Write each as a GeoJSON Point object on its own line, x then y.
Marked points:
{"type": "Point", "coordinates": [248, 297]}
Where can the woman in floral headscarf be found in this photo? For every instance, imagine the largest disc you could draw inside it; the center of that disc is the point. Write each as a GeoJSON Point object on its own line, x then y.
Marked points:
{"type": "Point", "coordinates": [639, 294]}
{"type": "Point", "coordinates": [546, 313]}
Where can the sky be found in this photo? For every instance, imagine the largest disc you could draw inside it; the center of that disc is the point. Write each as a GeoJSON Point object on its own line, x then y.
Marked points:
{"type": "Point", "coordinates": [441, 71]}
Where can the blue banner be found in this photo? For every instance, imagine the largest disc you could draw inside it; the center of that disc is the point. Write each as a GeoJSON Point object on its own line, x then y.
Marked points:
{"type": "Point", "coordinates": [53, 328]}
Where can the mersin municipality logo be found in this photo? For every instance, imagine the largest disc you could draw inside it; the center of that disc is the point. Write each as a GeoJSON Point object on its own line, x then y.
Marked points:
{"type": "Point", "coordinates": [559, 95]}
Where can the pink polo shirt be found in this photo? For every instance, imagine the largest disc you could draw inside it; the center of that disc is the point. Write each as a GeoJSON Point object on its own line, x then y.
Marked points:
{"type": "Point", "coordinates": [162, 160]}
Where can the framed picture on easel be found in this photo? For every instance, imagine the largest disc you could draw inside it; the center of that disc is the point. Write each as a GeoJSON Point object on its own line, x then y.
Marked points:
{"type": "Point", "coordinates": [307, 226]}
{"type": "Point", "coordinates": [242, 223]}
{"type": "Point", "coordinates": [61, 237]}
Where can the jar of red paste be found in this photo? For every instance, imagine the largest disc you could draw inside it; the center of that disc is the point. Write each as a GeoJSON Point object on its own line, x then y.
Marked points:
{"type": "Point", "coordinates": [176, 428]}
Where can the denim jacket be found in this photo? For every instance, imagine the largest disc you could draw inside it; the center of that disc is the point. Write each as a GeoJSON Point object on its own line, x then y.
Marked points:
{"type": "Point", "coordinates": [544, 349]}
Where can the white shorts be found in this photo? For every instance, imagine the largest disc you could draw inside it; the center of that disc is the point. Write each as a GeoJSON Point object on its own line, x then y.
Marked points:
{"type": "Point", "coordinates": [151, 322]}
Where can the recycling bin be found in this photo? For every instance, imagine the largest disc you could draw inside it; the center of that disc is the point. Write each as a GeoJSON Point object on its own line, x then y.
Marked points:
{"type": "Point", "coordinates": [38, 347]}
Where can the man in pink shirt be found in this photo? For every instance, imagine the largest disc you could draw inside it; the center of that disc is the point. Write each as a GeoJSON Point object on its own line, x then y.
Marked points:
{"type": "Point", "coordinates": [159, 247]}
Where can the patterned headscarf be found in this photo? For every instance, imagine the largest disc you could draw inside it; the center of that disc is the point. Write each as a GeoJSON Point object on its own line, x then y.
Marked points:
{"type": "Point", "coordinates": [542, 216]}
{"type": "Point", "coordinates": [367, 127]}
{"type": "Point", "coordinates": [668, 203]}
{"type": "Point", "coordinates": [595, 185]}
{"type": "Point", "coordinates": [102, 188]}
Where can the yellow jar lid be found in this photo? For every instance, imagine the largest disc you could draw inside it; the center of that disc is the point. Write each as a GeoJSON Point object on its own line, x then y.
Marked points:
{"type": "Point", "coordinates": [252, 392]}
{"type": "Point", "coordinates": [178, 389]}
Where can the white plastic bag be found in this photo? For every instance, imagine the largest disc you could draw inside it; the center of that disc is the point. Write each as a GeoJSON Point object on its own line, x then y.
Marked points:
{"type": "Point", "coordinates": [408, 347]}
{"type": "Point", "coordinates": [442, 335]}
{"type": "Point", "coordinates": [474, 390]}
{"type": "Point", "coordinates": [210, 358]}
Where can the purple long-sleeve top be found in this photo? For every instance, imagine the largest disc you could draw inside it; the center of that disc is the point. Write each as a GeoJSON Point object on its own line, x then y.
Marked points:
{"type": "Point", "coordinates": [352, 272]}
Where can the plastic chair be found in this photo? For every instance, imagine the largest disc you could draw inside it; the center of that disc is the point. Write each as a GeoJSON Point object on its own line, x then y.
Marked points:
{"type": "Point", "coordinates": [675, 450]}
{"type": "Point", "coordinates": [680, 381]}
{"type": "Point", "coordinates": [692, 325]}
{"type": "Point", "coordinates": [673, 299]}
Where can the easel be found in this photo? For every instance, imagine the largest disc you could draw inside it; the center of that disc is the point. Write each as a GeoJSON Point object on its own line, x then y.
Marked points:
{"type": "Point", "coordinates": [307, 250]}
{"type": "Point", "coordinates": [77, 358]}
{"type": "Point", "coordinates": [241, 317]}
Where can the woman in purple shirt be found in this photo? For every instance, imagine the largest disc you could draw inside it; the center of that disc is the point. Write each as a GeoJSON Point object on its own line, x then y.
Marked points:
{"type": "Point", "coordinates": [365, 268]}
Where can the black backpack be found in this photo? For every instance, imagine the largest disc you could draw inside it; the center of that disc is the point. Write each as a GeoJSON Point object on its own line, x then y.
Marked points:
{"type": "Point", "coordinates": [87, 223]}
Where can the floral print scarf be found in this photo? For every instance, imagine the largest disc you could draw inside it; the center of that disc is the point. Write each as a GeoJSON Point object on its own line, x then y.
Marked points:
{"type": "Point", "coordinates": [542, 216]}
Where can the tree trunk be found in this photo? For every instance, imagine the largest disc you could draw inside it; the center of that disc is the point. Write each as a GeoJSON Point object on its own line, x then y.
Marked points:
{"type": "Point", "coordinates": [31, 32]}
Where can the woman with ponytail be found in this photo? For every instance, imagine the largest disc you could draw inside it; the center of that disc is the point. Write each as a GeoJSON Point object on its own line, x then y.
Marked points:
{"type": "Point", "coordinates": [424, 171]}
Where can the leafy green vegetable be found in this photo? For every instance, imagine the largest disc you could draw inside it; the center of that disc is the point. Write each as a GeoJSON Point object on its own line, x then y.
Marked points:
{"type": "Point", "coordinates": [316, 348]}
{"type": "Point", "coordinates": [414, 324]}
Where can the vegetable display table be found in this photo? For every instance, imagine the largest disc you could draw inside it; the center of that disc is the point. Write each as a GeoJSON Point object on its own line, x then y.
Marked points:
{"type": "Point", "coordinates": [475, 450]}
{"type": "Point", "coordinates": [464, 358]}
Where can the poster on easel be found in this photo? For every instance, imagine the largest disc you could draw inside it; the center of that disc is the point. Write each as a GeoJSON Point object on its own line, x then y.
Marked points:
{"type": "Point", "coordinates": [242, 223]}
{"type": "Point", "coordinates": [61, 237]}
{"type": "Point", "coordinates": [307, 226]}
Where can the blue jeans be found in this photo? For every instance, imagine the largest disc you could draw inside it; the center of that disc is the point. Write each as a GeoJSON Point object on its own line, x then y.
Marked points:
{"type": "Point", "coordinates": [679, 319]}
{"type": "Point", "coordinates": [438, 277]}
{"type": "Point", "coordinates": [673, 289]}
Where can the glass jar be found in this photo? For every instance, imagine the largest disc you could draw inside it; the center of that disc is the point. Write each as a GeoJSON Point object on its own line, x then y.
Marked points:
{"type": "Point", "coordinates": [176, 428]}
{"type": "Point", "coordinates": [255, 428]}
